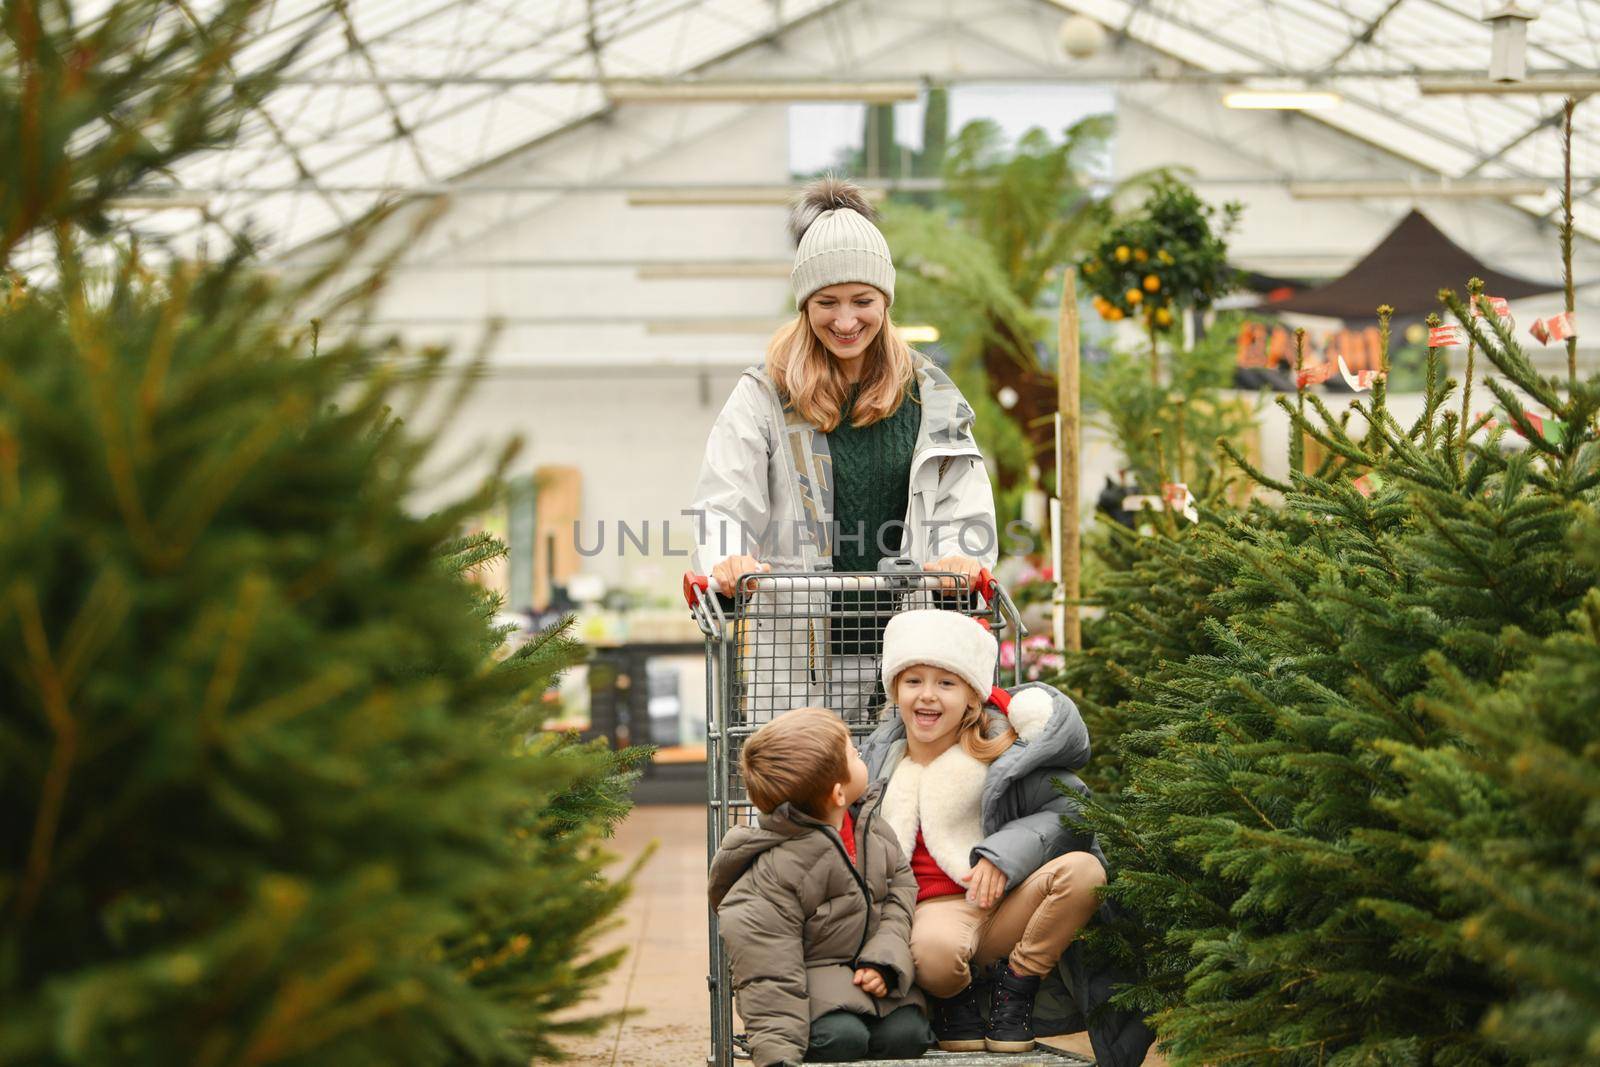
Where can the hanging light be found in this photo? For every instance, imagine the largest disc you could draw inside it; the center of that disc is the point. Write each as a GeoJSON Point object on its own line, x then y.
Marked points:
{"type": "Point", "coordinates": [1281, 99]}
{"type": "Point", "coordinates": [1508, 43]}
{"type": "Point", "coordinates": [1081, 36]}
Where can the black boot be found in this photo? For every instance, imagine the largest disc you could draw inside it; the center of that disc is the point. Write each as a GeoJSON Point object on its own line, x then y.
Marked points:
{"type": "Point", "coordinates": [957, 1024]}
{"type": "Point", "coordinates": [1011, 1010]}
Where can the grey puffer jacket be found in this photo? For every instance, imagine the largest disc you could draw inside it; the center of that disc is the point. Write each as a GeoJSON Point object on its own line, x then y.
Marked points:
{"type": "Point", "coordinates": [798, 920]}
{"type": "Point", "coordinates": [1022, 822]}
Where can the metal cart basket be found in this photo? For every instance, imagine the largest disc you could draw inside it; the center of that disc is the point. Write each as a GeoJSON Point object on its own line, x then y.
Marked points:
{"type": "Point", "coordinates": [814, 638]}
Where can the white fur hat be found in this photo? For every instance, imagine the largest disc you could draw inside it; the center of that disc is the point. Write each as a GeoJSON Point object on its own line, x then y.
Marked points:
{"type": "Point", "coordinates": [947, 639]}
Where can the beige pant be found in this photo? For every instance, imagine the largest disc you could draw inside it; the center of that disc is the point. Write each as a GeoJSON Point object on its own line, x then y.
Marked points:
{"type": "Point", "coordinates": [1034, 923]}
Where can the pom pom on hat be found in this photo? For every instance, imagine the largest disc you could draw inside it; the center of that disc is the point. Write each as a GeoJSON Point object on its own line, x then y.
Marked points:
{"type": "Point", "coordinates": [945, 639]}
{"type": "Point", "coordinates": [826, 194]}
{"type": "Point", "coordinates": [1030, 711]}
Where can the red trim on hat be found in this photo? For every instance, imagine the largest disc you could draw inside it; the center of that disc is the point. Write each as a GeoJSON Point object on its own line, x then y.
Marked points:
{"type": "Point", "coordinates": [1000, 699]}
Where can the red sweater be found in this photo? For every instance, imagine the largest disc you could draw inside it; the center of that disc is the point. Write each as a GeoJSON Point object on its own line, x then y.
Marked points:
{"type": "Point", "coordinates": [932, 881]}
{"type": "Point", "coordinates": [847, 831]}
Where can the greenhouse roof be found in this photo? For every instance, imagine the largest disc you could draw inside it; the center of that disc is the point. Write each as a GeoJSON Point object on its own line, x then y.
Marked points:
{"type": "Point", "coordinates": [1377, 54]}
{"type": "Point", "coordinates": [406, 96]}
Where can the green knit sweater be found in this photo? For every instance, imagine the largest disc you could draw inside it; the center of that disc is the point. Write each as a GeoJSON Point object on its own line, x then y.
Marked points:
{"type": "Point", "coordinates": [871, 481]}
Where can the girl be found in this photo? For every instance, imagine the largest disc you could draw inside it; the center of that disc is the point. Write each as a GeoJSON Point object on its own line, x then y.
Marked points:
{"type": "Point", "coordinates": [1001, 879]}
{"type": "Point", "coordinates": [845, 447]}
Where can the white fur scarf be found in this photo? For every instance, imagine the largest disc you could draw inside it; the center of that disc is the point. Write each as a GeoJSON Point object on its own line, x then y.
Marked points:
{"type": "Point", "coordinates": [944, 797]}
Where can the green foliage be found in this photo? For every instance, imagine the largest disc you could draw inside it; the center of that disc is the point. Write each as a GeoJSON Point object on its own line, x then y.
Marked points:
{"type": "Point", "coordinates": [1346, 771]}
{"type": "Point", "coordinates": [980, 268]}
{"type": "Point", "coordinates": [78, 120]}
{"type": "Point", "coordinates": [272, 794]}
{"type": "Point", "coordinates": [1160, 439]}
{"type": "Point", "coordinates": [1032, 203]}
{"type": "Point", "coordinates": [950, 278]}
{"type": "Point", "coordinates": [1171, 253]}
{"type": "Point", "coordinates": [935, 133]}
{"type": "Point", "coordinates": [1521, 848]}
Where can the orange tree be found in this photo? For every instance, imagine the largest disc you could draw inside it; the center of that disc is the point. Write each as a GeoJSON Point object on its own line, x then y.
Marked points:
{"type": "Point", "coordinates": [1170, 254]}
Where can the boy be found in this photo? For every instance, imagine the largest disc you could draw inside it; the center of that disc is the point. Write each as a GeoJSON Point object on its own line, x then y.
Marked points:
{"type": "Point", "coordinates": [815, 904]}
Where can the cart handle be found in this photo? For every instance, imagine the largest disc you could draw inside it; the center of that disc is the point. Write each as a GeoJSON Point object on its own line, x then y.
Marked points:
{"type": "Point", "coordinates": [697, 589]}
{"type": "Point", "coordinates": [984, 585]}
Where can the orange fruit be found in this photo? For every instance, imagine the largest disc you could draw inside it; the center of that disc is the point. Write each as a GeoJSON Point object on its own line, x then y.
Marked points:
{"type": "Point", "coordinates": [1151, 283]}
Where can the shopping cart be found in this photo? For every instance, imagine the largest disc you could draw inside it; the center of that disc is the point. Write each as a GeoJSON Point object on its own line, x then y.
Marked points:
{"type": "Point", "coordinates": [789, 640]}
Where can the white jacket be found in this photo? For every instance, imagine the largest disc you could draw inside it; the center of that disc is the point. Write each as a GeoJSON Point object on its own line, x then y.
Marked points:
{"type": "Point", "coordinates": [768, 469]}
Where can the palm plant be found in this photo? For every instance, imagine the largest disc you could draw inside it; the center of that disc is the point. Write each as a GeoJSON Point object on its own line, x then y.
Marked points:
{"type": "Point", "coordinates": [983, 268]}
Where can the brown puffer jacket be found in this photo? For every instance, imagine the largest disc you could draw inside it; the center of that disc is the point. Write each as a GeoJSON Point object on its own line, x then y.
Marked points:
{"type": "Point", "coordinates": [798, 919]}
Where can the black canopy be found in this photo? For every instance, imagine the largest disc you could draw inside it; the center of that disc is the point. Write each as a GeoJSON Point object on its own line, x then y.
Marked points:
{"type": "Point", "coordinates": [1406, 271]}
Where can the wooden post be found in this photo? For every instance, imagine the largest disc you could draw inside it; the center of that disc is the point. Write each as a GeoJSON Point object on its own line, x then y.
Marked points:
{"type": "Point", "coordinates": [1180, 431]}
{"type": "Point", "coordinates": [1155, 354]}
{"type": "Point", "coordinates": [1069, 634]}
{"type": "Point", "coordinates": [1566, 237]}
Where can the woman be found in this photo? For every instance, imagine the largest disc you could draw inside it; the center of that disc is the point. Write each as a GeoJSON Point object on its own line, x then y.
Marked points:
{"type": "Point", "coordinates": [846, 447]}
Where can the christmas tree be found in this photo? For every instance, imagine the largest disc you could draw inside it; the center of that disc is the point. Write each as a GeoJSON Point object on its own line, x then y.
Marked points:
{"type": "Point", "coordinates": [1518, 797]}
{"type": "Point", "coordinates": [1355, 745]}
{"type": "Point", "coordinates": [269, 796]}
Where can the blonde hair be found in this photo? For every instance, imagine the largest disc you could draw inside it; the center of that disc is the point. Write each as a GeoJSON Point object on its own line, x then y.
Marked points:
{"type": "Point", "coordinates": [798, 757]}
{"type": "Point", "coordinates": [806, 373]}
{"type": "Point", "coordinates": [973, 734]}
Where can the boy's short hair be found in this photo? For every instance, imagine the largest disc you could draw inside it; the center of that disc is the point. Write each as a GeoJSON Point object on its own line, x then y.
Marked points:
{"type": "Point", "coordinates": [797, 757]}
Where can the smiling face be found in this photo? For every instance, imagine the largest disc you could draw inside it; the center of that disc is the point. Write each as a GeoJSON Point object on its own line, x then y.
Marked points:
{"type": "Point", "coordinates": [932, 703]}
{"type": "Point", "coordinates": [846, 319]}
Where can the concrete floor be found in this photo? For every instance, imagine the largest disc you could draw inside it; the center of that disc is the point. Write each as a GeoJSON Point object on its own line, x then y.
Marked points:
{"type": "Point", "coordinates": [662, 981]}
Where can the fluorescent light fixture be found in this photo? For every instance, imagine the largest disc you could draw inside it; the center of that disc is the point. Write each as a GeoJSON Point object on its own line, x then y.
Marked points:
{"type": "Point", "coordinates": [761, 92]}
{"type": "Point", "coordinates": [1281, 99]}
{"type": "Point", "coordinates": [1443, 188]}
{"type": "Point", "coordinates": [919, 335]}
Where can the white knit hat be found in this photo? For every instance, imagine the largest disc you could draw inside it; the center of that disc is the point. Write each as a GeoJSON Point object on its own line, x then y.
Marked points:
{"type": "Point", "coordinates": [947, 639]}
{"type": "Point", "coordinates": [832, 225]}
